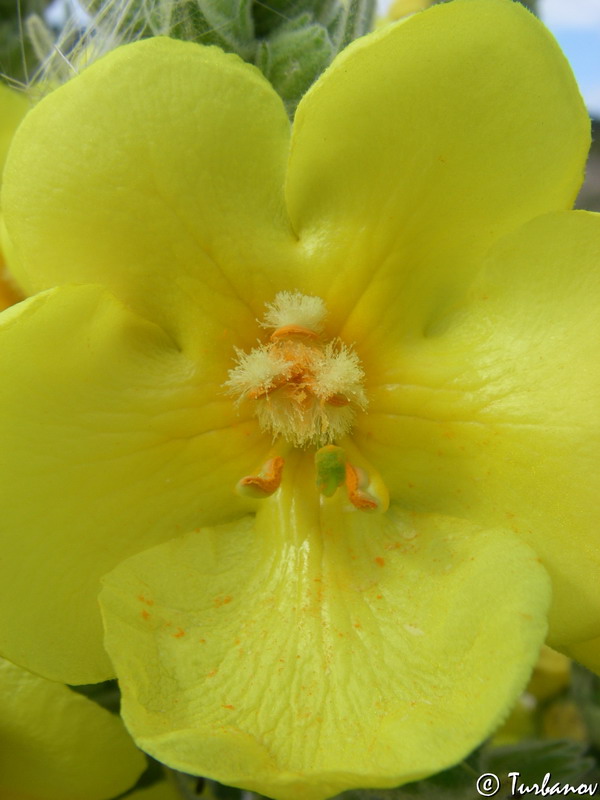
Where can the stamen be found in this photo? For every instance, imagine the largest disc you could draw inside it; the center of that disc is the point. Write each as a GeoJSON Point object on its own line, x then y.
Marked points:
{"type": "Point", "coordinates": [304, 389]}
{"type": "Point", "coordinates": [296, 309]}
{"type": "Point", "coordinates": [265, 483]}
{"type": "Point", "coordinates": [337, 400]}
{"type": "Point", "coordinates": [357, 482]}
{"type": "Point", "coordinates": [261, 391]}
{"type": "Point", "coordinates": [293, 330]}
{"type": "Point", "coordinates": [330, 463]}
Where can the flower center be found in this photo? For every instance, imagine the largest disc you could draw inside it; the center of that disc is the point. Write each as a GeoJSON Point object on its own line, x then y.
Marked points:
{"type": "Point", "coordinates": [303, 388]}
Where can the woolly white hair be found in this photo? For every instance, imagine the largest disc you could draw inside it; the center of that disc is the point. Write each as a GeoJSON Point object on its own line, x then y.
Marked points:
{"type": "Point", "coordinates": [307, 392]}
{"type": "Point", "coordinates": [255, 371]}
{"type": "Point", "coordinates": [294, 308]}
{"type": "Point", "coordinates": [338, 372]}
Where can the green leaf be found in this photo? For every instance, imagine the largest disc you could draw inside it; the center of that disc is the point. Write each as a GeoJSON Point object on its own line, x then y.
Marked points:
{"type": "Point", "coordinates": [293, 59]}
{"type": "Point", "coordinates": [456, 783]}
{"type": "Point", "coordinates": [231, 21]}
{"type": "Point", "coordinates": [356, 20]}
{"type": "Point", "coordinates": [565, 760]}
{"type": "Point", "coordinates": [585, 691]}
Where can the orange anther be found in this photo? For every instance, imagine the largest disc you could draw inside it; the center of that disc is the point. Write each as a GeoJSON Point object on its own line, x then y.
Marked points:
{"type": "Point", "coordinates": [293, 330]}
{"type": "Point", "coordinates": [354, 483]}
{"type": "Point", "coordinates": [266, 482]}
{"type": "Point", "coordinates": [337, 400]}
{"type": "Point", "coordinates": [262, 391]}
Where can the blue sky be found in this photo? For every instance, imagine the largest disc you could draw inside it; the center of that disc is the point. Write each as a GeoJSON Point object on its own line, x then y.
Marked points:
{"type": "Point", "coordinates": [576, 25]}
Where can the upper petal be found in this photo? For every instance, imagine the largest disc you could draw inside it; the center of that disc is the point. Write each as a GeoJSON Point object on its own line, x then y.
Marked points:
{"type": "Point", "coordinates": [158, 172]}
{"type": "Point", "coordinates": [422, 144]}
{"type": "Point", "coordinates": [55, 743]}
{"type": "Point", "coordinates": [317, 650]}
{"type": "Point", "coordinates": [111, 440]}
{"type": "Point", "coordinates": [492, 413]}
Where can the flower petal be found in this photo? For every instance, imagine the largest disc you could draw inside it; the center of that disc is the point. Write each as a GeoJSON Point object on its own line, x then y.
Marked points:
{"type": "Point", "coordinates": [422, 144]}
{"type": "Point", "coordinates": [492, 413]}
{"type": "Point", "coordinates": [111, 440]}
{"type": "Point", "coordinates": [318, 650]}
{"type": "Point", "coordinates": [13, 107]}
{"type": "Point", "coordinates": [159, 173]}
{"type": "Point", "coordinates": [8, 292]}
{"type": "Point", "coordinates": [587, 653]}
{"type": "Point", "coordinates": [57, 743]}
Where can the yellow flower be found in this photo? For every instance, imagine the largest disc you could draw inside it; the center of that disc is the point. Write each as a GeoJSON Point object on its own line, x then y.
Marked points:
{"type": "Point", "coordinates": [55, 743]}
{"type": "Point", "coordinates": [164, 790]}
{"type": "Point", "coordinates": [402, 8]}
{"type": "Point", "coordinates": [395, 292]}
{"type": "Point", "coordinates": [550, 677]}
{"type": "Point", "coordinates": [13, 107]}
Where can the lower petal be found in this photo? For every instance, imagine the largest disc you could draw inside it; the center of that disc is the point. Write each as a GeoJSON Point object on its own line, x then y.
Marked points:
{"type": "Point", "coordinates": [315, 650]}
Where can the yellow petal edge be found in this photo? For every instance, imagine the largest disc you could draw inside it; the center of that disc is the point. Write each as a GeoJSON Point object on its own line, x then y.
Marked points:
{"type": "Point", "coordinates": [55, 743]}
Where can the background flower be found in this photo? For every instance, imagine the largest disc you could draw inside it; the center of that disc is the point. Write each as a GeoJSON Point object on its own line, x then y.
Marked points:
{"type": "Point", "coordinates": [55, 743]}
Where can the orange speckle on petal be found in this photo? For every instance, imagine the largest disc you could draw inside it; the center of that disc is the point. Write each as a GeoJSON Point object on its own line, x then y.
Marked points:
{"type": "Point", "coordinates": [228, 706]}
{"type": "Point", "coordinates": [380, 561]}
{"type": "Point", "coordinates": [222, 601]}
{"type": "Point", "coordinates": [146, 600]}
{"type": "Point", "coordinates": [145, 614]}
{"type": "Point", "coordinates": [179, 633]}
